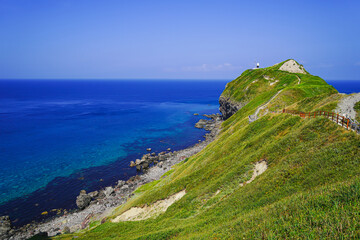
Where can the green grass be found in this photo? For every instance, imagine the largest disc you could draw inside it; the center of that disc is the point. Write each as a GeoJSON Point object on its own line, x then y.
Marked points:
{"type": "Point", "coordinates": [357, 109]}
{"type": "Point", "coordinates": [311, 189]}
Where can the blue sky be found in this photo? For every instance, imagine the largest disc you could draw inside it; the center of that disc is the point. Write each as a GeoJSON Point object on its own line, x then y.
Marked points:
{"type": "Point", "coordinates": [176, 39]}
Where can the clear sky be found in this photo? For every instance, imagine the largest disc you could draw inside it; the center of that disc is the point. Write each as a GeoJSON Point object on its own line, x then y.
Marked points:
{"type": "Point", "coordinates": [176, 39]}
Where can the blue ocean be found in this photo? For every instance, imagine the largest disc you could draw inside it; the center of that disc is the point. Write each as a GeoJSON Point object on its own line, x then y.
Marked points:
{"type": "Point", "coordinates": [58, 137]}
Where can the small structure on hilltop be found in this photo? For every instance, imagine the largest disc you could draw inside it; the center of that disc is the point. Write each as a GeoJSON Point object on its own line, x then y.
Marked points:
{"type": "Point", "coordinates": [257, 66]}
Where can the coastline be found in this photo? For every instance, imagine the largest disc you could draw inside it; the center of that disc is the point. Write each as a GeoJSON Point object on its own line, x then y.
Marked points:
{"type": "Point", "coordinates": [114, 196]}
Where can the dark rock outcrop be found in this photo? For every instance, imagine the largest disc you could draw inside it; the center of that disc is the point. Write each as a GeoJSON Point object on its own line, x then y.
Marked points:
{"type": "Point", "coordinates": [228, 107]}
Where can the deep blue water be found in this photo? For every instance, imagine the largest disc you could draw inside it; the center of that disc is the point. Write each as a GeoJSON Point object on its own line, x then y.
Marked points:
{"type": "Point", "coordinates": [345, 86]}
{"type": "Point", "coordinates": [58, 137]}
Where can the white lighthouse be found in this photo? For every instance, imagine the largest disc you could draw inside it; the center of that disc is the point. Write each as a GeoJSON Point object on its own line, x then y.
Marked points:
{"type": "Point", "coordinates": [257, 65]}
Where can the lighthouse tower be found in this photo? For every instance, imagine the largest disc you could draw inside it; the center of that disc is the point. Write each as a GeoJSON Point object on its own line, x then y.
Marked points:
{"type": "Point", "coordinates": [257, 65]}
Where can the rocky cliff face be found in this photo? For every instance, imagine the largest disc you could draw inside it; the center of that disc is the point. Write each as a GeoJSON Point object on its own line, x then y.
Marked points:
{"type": "Point", "coordinates": [228, 107]}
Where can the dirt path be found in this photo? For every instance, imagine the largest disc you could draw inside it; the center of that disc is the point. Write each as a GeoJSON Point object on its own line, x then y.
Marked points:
{"type": "Point", "coordinates": [254, 117]}
{"type": "Point", "coordinates": [298, 79]}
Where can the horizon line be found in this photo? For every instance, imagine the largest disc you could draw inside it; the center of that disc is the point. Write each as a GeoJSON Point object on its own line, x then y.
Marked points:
{"type": "Point", "coordinates": [119, 79]}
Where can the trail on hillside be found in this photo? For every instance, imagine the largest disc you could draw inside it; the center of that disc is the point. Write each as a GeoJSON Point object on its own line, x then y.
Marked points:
{"type": "Point", "coordinates": [254, 117]}
{"type": "Point", "coordinates": [298, 79]}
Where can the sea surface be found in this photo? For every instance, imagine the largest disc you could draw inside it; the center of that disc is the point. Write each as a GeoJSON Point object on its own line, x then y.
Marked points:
{"type": "Point", "coordinates": [60, 136]}
{"type": "Point", "coordinates": [345, 86]}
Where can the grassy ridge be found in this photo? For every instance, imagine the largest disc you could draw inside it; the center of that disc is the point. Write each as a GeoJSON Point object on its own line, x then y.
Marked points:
{"type": "Point", "coordinates": [310, 189]}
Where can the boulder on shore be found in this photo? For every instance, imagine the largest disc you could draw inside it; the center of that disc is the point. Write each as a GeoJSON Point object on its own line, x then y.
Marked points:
{"type": "Point", "coordinates": [162, 157]}
{"type": "Point", "coordinates": [108, 191]}
{"type": "Point", "coordinates": [5, 226]}
{"type": "Point", "coordinates": [83, 200]}
{"type": "Point", "coordinates": [132, 164]}
{"type": "Point", "coordinates": [93, 194]}
{"type": "Point", "coordinates": [145, 165]}
{"type": "Point", "coordinates": [120, 183]}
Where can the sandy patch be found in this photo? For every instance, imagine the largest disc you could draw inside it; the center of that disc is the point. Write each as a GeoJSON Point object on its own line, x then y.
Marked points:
{"type": "Point", "coordinates": [259, 168]}
{"type": "Point", "coordinates": [137, 214]}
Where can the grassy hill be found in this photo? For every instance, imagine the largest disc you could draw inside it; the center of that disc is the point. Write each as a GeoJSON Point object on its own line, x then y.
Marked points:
{"type": "Point", "coordinates": [311, 188]}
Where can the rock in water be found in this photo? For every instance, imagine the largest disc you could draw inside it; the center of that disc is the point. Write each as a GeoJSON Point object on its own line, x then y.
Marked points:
{"type": "Point", "coordinates": [5, 226]}
{"type": "Point", "coordinates": [148, 149]}
{"type": "Point", "coordinates": [132, 164]}
{"type": "Point", "coordinates": [201, 123]}
{"type": "Point", "coordinates": [83, 200]}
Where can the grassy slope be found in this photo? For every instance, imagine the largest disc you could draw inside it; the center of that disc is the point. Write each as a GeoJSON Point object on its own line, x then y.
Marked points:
{"type": "Point", "coordinates": [310, 189]}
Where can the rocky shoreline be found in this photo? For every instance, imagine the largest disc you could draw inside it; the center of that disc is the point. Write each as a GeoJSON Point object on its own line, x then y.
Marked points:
{"type": "Point", "coordinates": [95, 206]}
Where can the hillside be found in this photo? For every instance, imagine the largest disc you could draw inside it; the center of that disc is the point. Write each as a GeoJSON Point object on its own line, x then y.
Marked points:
{"type": "Point", "coordinates": [277, 176]}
